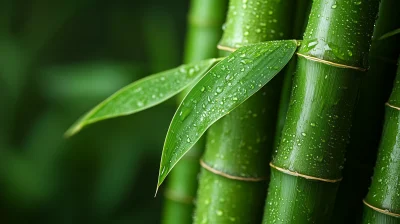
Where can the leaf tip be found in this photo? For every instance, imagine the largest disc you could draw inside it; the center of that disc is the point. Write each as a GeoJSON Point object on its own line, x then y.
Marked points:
{"type": "Point", "coordinates": [158, 187]}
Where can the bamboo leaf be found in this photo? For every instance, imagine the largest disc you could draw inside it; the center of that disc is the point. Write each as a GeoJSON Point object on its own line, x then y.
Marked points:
{"type": "Point", "coordinates": [144, 93]}
{"type": "Point", "coordinates": [224, 87]}
{"type": "Point", "coordinates": [390, 34]}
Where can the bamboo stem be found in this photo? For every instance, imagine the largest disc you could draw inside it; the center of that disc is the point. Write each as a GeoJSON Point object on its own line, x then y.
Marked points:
{"type": "Point", "coordinates": [382, 204]}
{"type": "Point", "coordinates": [302, 10]}
{"type": "Point", "coordinates": [239, 144]}
{"type": "Point", "coordinates": [204, 30]}
{"type": "Point", "coordinates": [374, 92]}
{"type": "Point", "coordinates": [319, 117]}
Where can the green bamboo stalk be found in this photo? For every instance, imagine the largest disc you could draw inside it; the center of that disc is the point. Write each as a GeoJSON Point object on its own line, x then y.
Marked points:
{"type": "Point", "coordinates": [374, 91]}
{"type": "Point", "coordinates": [382, 204]}
{"type": "Point", "coordinates": [332, 59]}
{"type": "Point", "coordinates": [204, 30]}
{"type": "Point", "coordinates": [301, 16]}
{"type": "Point", "coordinates": [234, 169]}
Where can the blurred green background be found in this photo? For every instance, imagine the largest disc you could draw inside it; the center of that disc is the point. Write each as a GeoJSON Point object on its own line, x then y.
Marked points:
{"type": "Point", "coordinates": [58, 59]}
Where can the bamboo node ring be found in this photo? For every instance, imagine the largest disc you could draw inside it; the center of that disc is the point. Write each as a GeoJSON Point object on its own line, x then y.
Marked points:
{"type": "Point", "coordinates": [220, 173]}
{"type": "Point", "coordinates": [225, 48]}
{"type": "Point", "coordinates": [311, 58]}
{"type": "Point", "coordinates": [391, 106]}
{"type": "Point", "coordinates": [174, 196]}
{"type": "Point", "coordinates": [384, 211]}
{"type": "Point", "coordinates": [304, 176]}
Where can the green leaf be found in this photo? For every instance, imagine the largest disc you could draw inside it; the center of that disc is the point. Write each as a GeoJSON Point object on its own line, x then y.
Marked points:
{"type": "Point", "coordinates": [390, 34]}
{"type": "Point", "coordinates": [224, 87]}
{"type": "Point", "coordinates": [144, 93]}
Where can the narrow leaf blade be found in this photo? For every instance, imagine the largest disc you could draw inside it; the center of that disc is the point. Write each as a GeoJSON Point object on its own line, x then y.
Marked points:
{"type": "Point", "coordinates": [390, 34]}
{"type": "Point", "coordinates": [144, 93]}
{"type": "Point", "coordinates": [223, 88]}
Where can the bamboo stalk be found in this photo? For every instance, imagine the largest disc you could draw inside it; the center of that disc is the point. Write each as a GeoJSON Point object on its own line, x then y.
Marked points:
{"type": "Point", "coordinates": [382, 204]}
{"type": "Point", "coordinates": [234, 169]}
{"type": "Point", "coordinates": [204, 30]}
{"type": "Point", "coordinates": [374, 92]}
{"type": "Point", "coordinates": [301, 16]}
{"type": "Point", "coordinates": [332, 58]}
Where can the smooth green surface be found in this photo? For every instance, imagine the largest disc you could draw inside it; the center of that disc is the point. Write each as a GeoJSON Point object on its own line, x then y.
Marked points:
{"type": "Point", "coordinates": [319, 117]}
{"type": "Point", "coordinates": [301, 17]}
{"type": "Point", "coordinates": [144, 93]}
{"type": "Point", "coordinates": [223, 88]}
{"type": "Point", "coordinates": [374, 92]}
{"type": "Point", "coordinates": [340, 31]}
{"type": "Point", "coordinates": [181, 189]}
{"type": "Point", "coordinates": [302, 199]}
{"type": "Point", "coordinates": [384, 192]}
{"type": "Point", "coordinates": [254, 21]}
{"type": "Point", "coordinates": [204, 31]}
{"type": "Point", "coordinates": [370, 216]}
{"type": "Point", "coordinates": [240, 143]}
{"type": "Point", "coordinates": [222, 200]}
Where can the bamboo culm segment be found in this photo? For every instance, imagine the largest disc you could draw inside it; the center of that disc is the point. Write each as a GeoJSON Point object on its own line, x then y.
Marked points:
{"type": "Point", "coordinates": [316, 130]}
{"type": "Point", "coordinates": [240, 143]}
{"type": "Point", "coordinates": [204, 31]}
{"type": "Point", "coordinates": [382, 204]}
{"type": "Point", "coordinates": [302, 11]}
{"type": "Point", "coordinates": [374, 92]}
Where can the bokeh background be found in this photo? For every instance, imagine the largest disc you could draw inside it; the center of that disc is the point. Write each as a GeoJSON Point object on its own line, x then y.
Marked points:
{"type": "Point", "coordinates": [58, 59]}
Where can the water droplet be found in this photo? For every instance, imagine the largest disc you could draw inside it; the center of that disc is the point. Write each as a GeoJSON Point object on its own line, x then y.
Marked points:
{"type": "Point", "coordinates": [191, 71]}
{"type": "Point", "coordinates": [163, 170]}
{"type": "Point", "coordinates": [349, 53]}
{"type": "Point", "coordinates": [184, 113]}
{"type": "Point", "coordinates": [140, 104]}
{"type": "Point", "coordinates": [334, 6]}
{"type": "Point", "coordinates": [219, 212]}
{"type": "Point", "coordinates": [203, 88]}
{"type": "Point", "coordinates": [182, 70]}
{"type": "Point", "coordinates": [270, 12]}
{"type": "Point", "coordinates": [303, 134]}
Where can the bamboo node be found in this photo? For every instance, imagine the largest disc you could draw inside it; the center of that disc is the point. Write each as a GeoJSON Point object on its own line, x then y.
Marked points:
{"type": "Point", "coordinates": [391, 106]}
{"type": "Point", "coordinates": [174, 196]}
{"type": "Point", "coordinates": [384, 211]}
{"type": "Point", "coordinates": [311, 58]}
{"type": "Point", "coordinates": [220, 173]}
{"type": "Point", "coordinates": [304, 176]}
{"type": "Point", "coordinates": [225, 48]}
